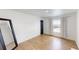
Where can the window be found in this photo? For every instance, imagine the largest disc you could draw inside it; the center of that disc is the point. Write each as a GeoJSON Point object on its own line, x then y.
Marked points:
{"type": "Point", "coordinates": [57, 25]}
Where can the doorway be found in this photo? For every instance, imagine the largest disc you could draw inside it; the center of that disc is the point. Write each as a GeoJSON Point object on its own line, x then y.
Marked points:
{"type": "Point", "coordinates": [41, 26]}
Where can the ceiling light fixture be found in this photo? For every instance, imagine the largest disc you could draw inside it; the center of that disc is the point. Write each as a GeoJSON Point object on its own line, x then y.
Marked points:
{"type": "Point", "coordinates": [46, 11]}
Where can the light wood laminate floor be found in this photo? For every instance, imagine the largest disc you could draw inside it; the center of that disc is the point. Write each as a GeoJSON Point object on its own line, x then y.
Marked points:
{"type": "Point", "coordinates": [45, 42]}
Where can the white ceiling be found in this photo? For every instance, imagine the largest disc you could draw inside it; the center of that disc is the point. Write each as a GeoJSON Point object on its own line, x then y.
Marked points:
{"type": "Point", "coordinates": [46, 12]}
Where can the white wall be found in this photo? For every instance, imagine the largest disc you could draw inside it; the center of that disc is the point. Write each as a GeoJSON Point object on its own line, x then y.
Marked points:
{"type": "Point", "coordinates": [47, 25]}
{"type": "Point", "coordinates": [25, 26]}
{"type": "Point", "coordinates": [70, 28]}
{"type": "Point", "coordinates": [77, 40]}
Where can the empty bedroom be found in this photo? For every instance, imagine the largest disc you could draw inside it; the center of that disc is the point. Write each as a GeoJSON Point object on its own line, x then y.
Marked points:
{"type": "Point", "coordinates": [39, 29]}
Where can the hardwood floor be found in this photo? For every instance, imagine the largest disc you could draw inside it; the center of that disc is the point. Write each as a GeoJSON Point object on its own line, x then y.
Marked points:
{"type": "Point", "coordinates": [45, 42]}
